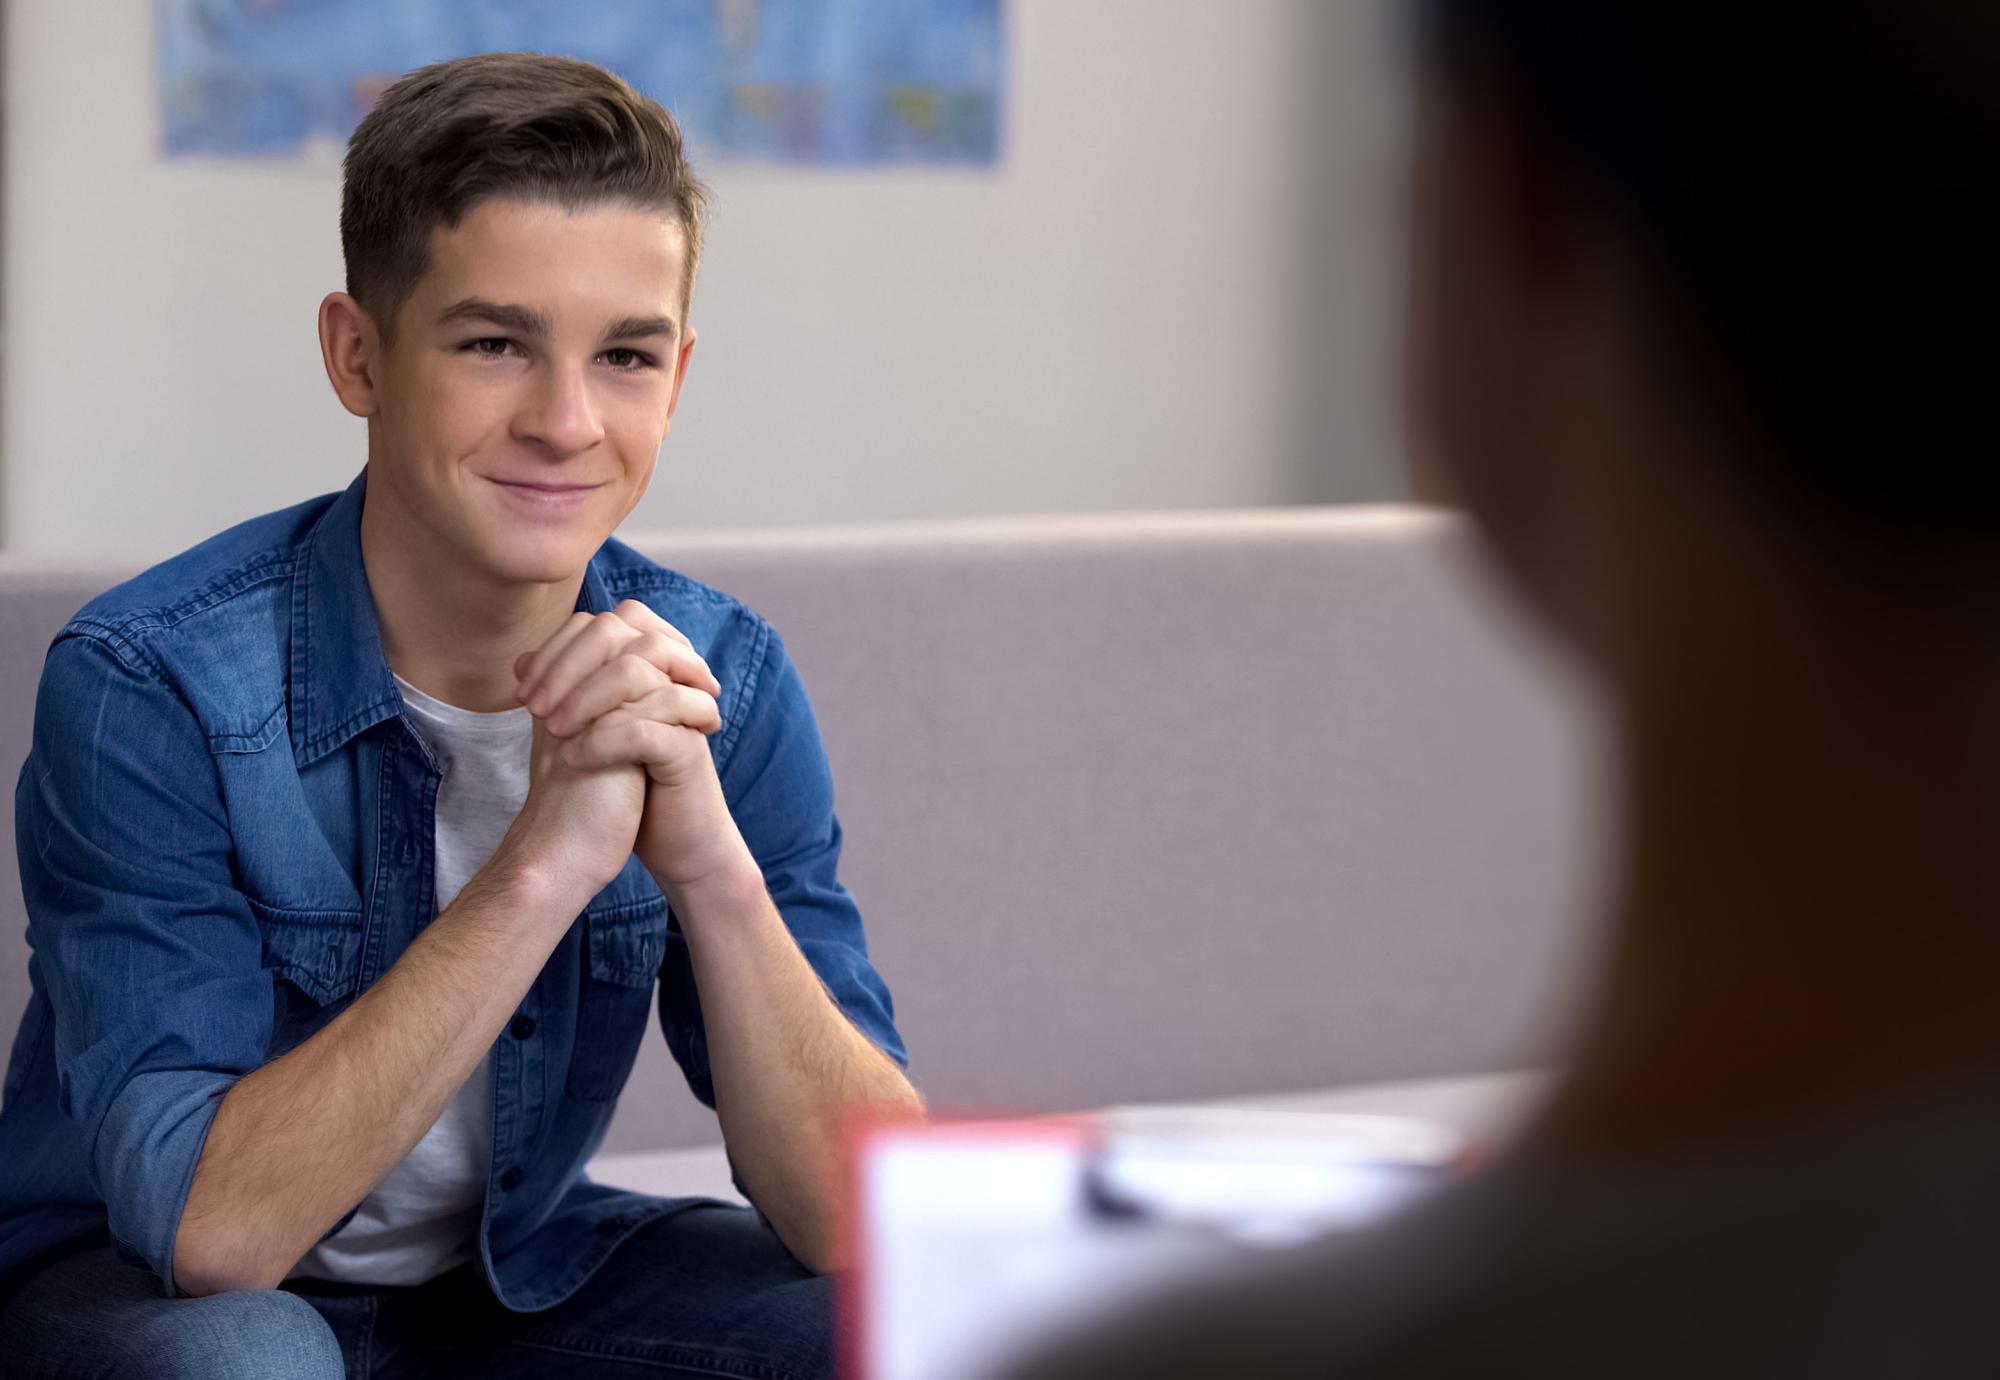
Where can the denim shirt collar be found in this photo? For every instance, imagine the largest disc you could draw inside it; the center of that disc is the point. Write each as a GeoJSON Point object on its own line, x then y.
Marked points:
{"type": "Point", "coordinates": [340, 680]}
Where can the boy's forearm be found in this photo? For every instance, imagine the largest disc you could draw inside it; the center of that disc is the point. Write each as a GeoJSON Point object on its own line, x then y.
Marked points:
{"type": "Point", "coordinates": [790, 1069]}
{"type": "Point", "coordinates": [303, 1139]}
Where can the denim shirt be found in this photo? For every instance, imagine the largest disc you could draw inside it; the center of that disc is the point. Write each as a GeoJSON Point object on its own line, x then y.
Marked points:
{"type": "Point", "coordinates": [226, 830]}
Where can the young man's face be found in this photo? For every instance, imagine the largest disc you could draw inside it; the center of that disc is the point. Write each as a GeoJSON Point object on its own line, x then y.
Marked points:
{"type": "Point", "coordinates": [532, 380]}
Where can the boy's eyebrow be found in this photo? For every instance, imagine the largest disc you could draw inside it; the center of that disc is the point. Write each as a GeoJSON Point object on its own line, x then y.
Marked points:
{"type": "Point", "coordinates": [631, 327]}
{"type": "Point", "coordinates": [529, 322]}
{"type": "Point", "coordinates": [520, 320]}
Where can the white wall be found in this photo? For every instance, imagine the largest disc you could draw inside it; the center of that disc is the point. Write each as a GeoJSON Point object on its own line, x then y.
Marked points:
{"type": "Point", "coordinates": [1172, 292]}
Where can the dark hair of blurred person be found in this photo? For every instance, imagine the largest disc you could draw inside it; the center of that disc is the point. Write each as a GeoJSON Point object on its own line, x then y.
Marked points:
{"type": "Point", "coordinates": [1699, 306]}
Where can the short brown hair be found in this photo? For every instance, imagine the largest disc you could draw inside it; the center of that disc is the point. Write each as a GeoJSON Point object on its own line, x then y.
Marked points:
{"type": "Point", "coordinates": [523, 126]}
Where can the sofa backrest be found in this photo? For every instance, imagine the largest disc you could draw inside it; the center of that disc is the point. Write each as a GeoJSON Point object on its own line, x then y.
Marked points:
{"type": "Point", "coordinates": [1140, 807]}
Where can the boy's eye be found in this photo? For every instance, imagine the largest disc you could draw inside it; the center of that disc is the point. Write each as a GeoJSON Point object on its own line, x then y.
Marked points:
{"type": "Point", "coordinates": [492, 347]}
{"type": "Point", "coordinates": [621, 358]}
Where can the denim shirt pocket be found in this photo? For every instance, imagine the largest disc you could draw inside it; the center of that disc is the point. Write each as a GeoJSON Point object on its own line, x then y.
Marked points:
{"type": "Point", "coordinates": [625, 945]}
{"type": "Point", "coordinates": [317, 951]}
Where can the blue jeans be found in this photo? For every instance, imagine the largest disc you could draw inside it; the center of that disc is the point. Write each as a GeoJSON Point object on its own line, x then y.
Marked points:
{"type": "Point", "coordinates": [705, 1291]}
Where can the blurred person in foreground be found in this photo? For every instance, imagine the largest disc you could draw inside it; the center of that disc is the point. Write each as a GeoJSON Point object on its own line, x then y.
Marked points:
{"type": "Point", "coordinates": [356, 840]}
{"type": "Point", "coordinates": [1700, 303]}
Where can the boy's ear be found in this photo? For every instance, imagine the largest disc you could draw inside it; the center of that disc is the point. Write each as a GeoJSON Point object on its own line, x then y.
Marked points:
{"type": "Point", "coordinates": [681, 358]}
{"type": "Point", "coordinates": [351, 349]}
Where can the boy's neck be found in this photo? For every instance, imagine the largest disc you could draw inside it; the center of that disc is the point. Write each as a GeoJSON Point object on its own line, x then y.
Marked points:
{"type": "Point", "coordinates": [449, 629]}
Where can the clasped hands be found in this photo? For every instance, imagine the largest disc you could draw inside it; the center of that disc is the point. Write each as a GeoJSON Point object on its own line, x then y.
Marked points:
{"type": "Point", "coordinates": [627, 690]}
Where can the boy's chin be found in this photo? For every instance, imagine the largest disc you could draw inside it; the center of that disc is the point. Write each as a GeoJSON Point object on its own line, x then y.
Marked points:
{"type": "Point", "coordinates": [539, 558]}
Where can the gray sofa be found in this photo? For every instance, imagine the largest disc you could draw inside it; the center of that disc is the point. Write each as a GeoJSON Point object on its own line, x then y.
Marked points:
{"type": "Point", "coordinates": [1138, 808]}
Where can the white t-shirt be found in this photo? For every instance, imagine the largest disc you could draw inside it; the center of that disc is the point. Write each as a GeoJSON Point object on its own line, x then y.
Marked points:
{"type": "Point", "coordinates": [422, 1218]}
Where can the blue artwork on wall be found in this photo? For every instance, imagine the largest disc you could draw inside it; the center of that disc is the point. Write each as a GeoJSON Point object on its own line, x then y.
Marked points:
{"type": "Point", "coordinates": [852, 82]}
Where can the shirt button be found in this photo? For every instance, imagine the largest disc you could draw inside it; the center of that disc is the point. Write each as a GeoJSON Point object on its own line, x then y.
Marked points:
{"type": "Point", "coordinates": [511, 1180]}
{"type": "Point", "coordinates": [522, 1028]}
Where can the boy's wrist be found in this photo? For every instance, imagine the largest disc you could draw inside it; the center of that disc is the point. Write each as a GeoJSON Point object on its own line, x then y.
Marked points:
{"type": "Point", "coordinates": [531, 881]}
{"type": "Point", "coordinates": [734, 886]}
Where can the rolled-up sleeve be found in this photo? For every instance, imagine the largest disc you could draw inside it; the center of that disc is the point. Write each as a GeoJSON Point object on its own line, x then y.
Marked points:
{"type": "Point", "coordinates": [780, 790]}
{"type": "Point", "coordinates": [151, 956]}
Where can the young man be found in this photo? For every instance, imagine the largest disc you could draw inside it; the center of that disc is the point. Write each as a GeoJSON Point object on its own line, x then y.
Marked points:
{"type": "Point", "coordinates": [1690, 341]}
{"type": "Point", "coordinates": [355, 839]}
